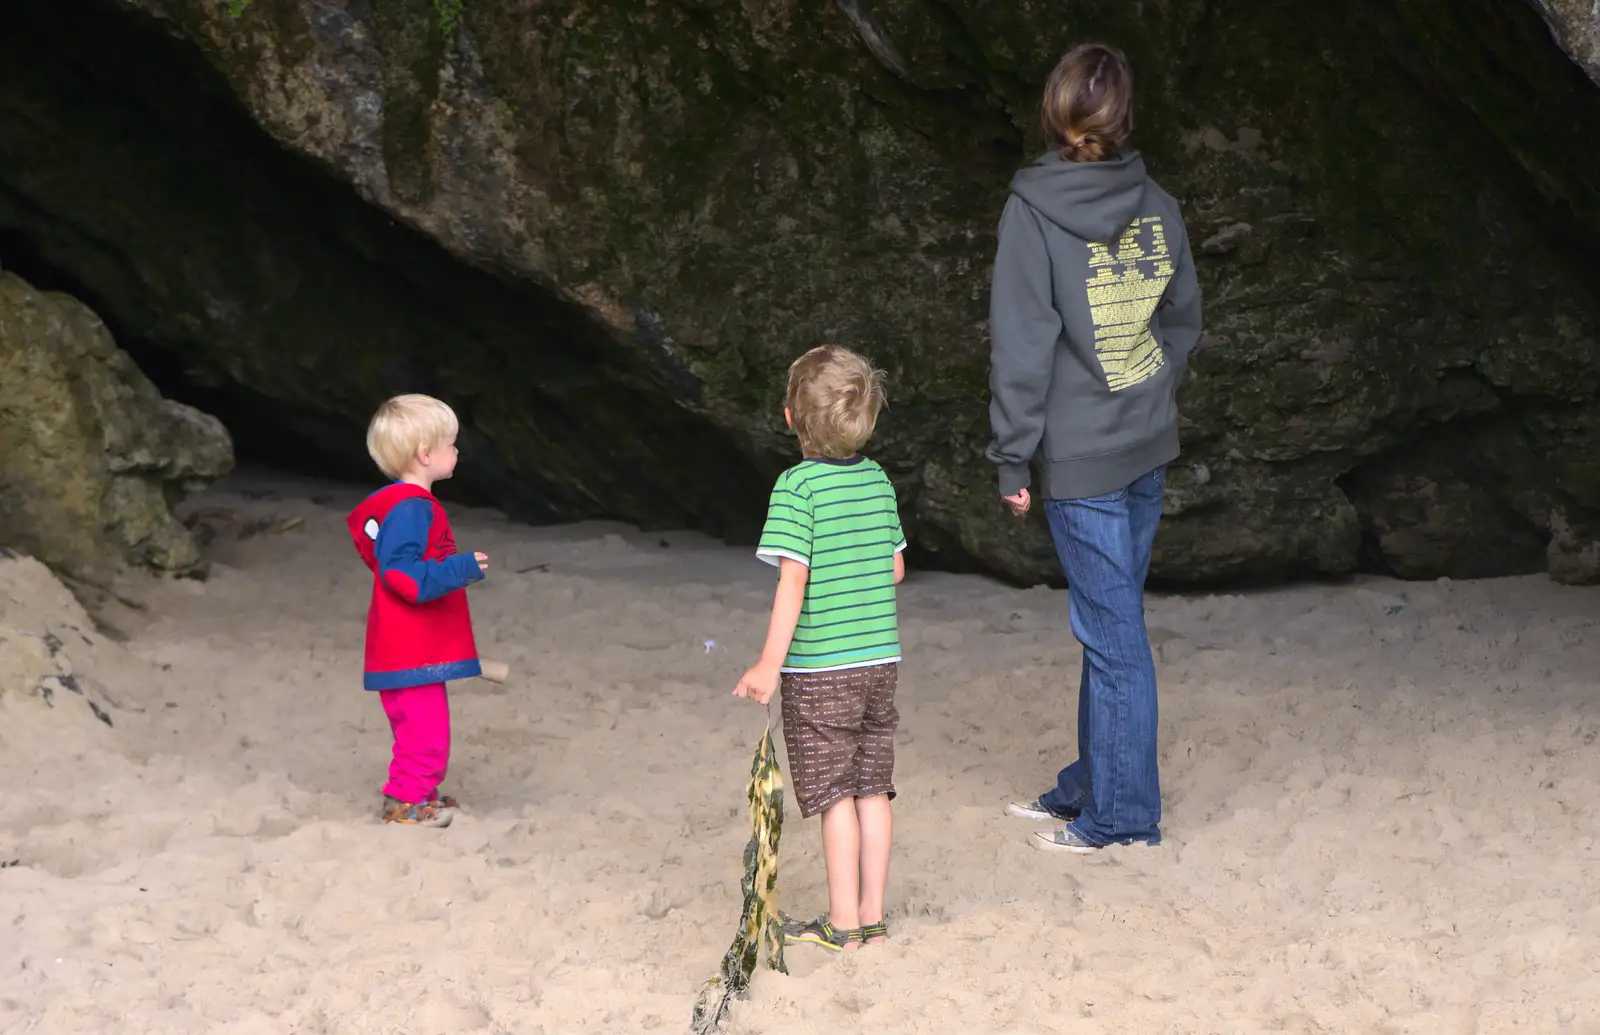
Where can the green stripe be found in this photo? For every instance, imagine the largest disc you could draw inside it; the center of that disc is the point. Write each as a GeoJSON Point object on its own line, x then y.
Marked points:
{"type": "Point", "coordinates": [888, 569]}
{"type": "Point", "coordinates": [842, 659]}
{"type": "Point", "coordinates": [811, 470]}
{"type": "Point", "coordinates": [874, 621]}
{"type": "Point", "coordinates": [880, 630]}
{"type": "Point", "coordinates": [843, 644]}
{"type": "Point", "coordinates": [849, 659]}
{"type": "Point", "coordinates": [858, 613]}
{"type": "Point", "coordinates": [813, 599]}
{"type": "Point", "coordinates": [887, 526]}
{"type": "Point", "coordinates": [882, 648]}
{"type": "Point", "coordinates": [863, 552]}
{"type": "Point", "coordinates": [880, 514]}
{"type": "Point", "coordinates": [877, 497]}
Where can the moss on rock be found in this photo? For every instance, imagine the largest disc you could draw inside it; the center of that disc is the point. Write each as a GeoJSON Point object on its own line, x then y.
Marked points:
{"type": "Point", "coordinates": [91, 457]}
{"type": "Point", "coordinates": [1385, 240]}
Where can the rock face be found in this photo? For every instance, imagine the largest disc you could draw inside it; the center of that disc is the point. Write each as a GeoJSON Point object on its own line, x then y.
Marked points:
{"type": "Point", "coordinates": [91, 455]}
{"type": "Point", "coordinates": [644, 211]}
{"type": "Point", "coordinates": [1576, 24]}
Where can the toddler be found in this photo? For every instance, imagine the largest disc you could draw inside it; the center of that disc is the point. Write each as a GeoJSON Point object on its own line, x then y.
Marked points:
{"type": "Point", "coordinates": [419, 632]}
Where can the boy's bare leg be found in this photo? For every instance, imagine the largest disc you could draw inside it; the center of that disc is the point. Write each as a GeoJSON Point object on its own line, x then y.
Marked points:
{"type": "Point", "coordinates": [876, 822]}
{"type": "Point", "coordinates": [841, 850]}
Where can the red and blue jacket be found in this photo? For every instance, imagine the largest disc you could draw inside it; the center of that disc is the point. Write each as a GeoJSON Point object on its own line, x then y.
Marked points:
{"type": "Point", "coordinates": [418, 628]}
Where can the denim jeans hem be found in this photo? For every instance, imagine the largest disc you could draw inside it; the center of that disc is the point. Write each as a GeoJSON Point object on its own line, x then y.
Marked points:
{"type": "Point", "coordinates": [1149, 842]}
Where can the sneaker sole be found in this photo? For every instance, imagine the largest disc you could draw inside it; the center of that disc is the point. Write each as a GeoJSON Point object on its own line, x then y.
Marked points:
{"type": "Point", "coordinates": [1045, 844]}
{"type": "Point", "coordinates": [1023, 812]}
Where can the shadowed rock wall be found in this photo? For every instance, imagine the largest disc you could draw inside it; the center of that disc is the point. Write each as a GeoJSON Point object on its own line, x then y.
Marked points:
{"type": "Point", "coordinates": [603, 230]}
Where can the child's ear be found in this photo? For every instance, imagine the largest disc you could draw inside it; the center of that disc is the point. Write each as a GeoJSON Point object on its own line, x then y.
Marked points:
{"type": "Point", "coordinates": [788, 418]}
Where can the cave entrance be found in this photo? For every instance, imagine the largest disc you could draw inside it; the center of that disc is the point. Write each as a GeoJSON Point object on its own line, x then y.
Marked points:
{"type": "Point", "coordinates": [250, 282]}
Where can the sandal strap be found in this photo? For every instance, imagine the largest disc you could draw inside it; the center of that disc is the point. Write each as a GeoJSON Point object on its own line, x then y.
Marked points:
{"type": "Point", "coordinates": [877, 930]}
{"type": "Point", "coordinates": [820, 928]}
{"type": "Point", "coordinates": [831, 932]}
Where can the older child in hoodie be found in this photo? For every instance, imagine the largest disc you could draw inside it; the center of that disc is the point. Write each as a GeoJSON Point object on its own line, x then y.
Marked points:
{"type": "Point", "coordinates": [1095, 309]}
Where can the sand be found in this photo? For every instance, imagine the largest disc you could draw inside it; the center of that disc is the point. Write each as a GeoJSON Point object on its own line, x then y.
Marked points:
{"type": "Point", "coordinates": [1382, 803]}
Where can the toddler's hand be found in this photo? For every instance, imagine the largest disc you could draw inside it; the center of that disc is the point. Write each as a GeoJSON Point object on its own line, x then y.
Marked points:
{"type": "Point", "coordinates": [1018, 504]}
{"type": "Point", "coordinates": [759, 684]}
{"type": "Point", "coordinates": [483, 561]}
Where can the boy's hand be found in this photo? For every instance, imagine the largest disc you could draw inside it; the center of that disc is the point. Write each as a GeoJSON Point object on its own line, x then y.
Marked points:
{"type": "Point", "coordinates": [483, 561]}
{"type": "Point", "coordinates": [1019, 503]}
{"type": "Point", "coordinates": [759, 684]}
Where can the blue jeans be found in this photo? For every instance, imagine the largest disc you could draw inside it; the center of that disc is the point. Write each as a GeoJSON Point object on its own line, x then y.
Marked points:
{"type": "Point", "coordinates": [1104, 544]}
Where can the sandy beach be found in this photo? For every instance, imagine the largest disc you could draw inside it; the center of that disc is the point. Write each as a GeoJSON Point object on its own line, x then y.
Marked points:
{"type": "Point", "coordinates": [1382, 804]}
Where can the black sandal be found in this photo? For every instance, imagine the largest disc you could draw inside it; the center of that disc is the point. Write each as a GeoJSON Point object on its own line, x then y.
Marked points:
{"type": "Point", "coordinates": [877, 930]}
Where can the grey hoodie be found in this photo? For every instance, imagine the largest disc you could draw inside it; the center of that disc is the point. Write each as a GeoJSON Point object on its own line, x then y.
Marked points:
{"type": "Point", "coordinates": [1094, 311]}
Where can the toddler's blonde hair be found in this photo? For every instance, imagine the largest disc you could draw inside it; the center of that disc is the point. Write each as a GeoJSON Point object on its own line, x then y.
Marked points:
{"type": "Point", "coordinates": [405, 425]}
{"type": "Point", "coordinates": [834, 399]}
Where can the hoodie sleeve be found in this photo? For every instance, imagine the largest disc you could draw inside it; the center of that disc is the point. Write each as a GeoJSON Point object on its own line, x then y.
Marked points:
{"type": "Point", "coordinates": [1024, 328]}
{"type": "Point", "coordinates": [1178, 316]}
{"type": "Point", "coordinates": [402, 540]}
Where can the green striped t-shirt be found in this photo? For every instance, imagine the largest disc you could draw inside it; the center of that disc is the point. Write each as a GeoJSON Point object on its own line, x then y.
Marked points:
{"type": "Point", "coordinates": [840, 519]}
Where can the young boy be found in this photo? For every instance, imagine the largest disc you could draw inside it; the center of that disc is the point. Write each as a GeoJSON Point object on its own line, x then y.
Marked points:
{"type": "Point", "coordinates": [833, 531]}
{"type": "Point", "coordinates": [419, 633]}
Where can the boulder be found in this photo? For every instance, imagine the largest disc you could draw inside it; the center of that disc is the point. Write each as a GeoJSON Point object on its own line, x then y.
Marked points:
{"type": "Point", "coordinates": [603, 230]}
{"type": "Point", "coordinates": [92, 458]}
{"type": "Point", "coordinates": [1576, 25]}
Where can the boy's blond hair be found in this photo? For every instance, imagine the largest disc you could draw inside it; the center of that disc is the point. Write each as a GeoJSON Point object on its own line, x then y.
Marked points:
{"type": "Point", "coordinates": [405, 425]}
{"type": "Point", "coordinates": [834, 399]}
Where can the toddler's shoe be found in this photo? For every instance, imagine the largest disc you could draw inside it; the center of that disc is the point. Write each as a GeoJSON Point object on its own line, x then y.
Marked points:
{"type": "Point", "coordinates": [421, 813]}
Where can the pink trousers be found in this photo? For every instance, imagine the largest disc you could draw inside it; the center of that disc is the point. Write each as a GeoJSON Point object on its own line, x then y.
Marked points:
{"type": "Point", "coordinates": [420, 718]}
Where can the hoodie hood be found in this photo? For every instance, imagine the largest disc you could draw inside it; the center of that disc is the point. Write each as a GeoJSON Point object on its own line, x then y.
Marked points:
{"type": "Point", "coordinates": [1092, 201]}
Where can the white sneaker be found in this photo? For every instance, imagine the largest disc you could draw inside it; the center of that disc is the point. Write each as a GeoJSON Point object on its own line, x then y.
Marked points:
{"type": "Point", "coordinates": [1064, 840]}
{"type": "Point", "coordinates": [1030, 810]}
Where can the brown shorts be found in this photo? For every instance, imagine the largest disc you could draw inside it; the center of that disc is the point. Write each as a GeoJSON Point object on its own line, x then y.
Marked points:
{"type": "Point", "coordinates": [838, 730]}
